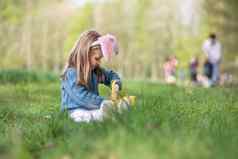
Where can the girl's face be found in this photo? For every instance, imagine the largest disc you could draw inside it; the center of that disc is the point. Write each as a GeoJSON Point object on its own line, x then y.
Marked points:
{"type": "Point", "coordinates": [95, 58]}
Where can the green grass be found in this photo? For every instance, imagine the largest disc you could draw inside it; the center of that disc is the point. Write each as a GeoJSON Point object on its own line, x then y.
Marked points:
{"type": "Point", "coordinates": [25, 76]}
{"type": "Point", "coordinates": [168, 122]}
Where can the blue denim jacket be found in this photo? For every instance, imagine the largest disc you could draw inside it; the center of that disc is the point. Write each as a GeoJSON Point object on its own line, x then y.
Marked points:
{"type": "Point", "coordinates": [78, 96]}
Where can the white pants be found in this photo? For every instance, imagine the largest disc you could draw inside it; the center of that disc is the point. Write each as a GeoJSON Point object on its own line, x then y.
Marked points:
{"type": "Point", "coordinates": [82, 115]}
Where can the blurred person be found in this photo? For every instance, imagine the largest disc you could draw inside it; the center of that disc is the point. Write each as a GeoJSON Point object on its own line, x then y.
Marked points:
{"type": "Point", "coordinates": [169, 69]}
{"type": "Point", "coordinates": [193, 69]}
{"type": "Point", "coordinates": [213, 51]}
{"type": "Point", "coordinates": [208, 69]}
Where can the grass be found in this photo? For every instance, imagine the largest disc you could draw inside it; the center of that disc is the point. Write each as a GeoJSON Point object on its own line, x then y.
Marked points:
{"type": "Point", "coordinates": [25, 76]}
{"type": "Point", "coordinates": [167, 122]}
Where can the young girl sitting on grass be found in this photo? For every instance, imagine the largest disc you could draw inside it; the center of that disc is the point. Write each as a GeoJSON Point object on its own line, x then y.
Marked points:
{"type": "Point", "coordinates": [83, 73]}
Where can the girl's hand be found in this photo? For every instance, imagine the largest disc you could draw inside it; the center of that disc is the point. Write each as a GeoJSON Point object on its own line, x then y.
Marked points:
{"type": "Point", "coordinates": [115, 91]}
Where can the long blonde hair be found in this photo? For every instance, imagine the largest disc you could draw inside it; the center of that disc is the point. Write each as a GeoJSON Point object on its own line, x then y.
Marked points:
{"type": "Point", "coordinates": [79, 57]}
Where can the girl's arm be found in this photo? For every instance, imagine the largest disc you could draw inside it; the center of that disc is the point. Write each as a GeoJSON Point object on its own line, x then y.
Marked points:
{"type": "Point", "coordinates": [109, 76]}
{"type": "Point", "coordinates": [79, 93]}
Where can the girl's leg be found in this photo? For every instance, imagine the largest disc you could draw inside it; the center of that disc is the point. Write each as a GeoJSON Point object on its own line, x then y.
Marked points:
{"type": "Point", "coordinates": [82, 115]}
{"type": "Point", "coordinates": [107, 106]}
{"type": "Point", "coordinates": [123, 105]}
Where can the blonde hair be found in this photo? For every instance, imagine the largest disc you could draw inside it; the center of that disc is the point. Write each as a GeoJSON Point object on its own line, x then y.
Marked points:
{"type": "Point", "coordinates": [80, 55]}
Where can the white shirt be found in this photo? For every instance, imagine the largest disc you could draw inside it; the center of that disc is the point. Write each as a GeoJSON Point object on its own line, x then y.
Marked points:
{"type": "Point", "coordinates": [213, 51]}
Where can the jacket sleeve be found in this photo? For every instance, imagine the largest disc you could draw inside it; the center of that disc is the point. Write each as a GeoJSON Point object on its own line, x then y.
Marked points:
{"type": "Point", "coordinates": [111, 76]}
{"type": "Point", "coordinates": [80, 94]}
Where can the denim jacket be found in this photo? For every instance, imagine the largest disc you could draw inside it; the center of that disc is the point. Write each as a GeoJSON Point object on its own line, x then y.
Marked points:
{"type": "Point", "coordinates": [75, 96]}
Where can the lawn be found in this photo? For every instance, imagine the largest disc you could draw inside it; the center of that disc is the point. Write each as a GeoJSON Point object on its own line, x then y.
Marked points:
{"type": "Point", "coordinates": [168, 122]}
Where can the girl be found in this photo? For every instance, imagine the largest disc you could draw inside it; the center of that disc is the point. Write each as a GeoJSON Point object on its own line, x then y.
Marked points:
{"type": "Point", "coordinates": [83, 73]}
{"type": "Point", "coordinates": [169, 68]}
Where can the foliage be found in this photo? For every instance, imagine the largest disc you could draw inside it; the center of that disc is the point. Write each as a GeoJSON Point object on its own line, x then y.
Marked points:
{"type": "Point", "coordinates": [81, 21]}
{"type": "Point", "coordinates": [222, 18]}
{"type": "Point", "coordinates": [40, 34]}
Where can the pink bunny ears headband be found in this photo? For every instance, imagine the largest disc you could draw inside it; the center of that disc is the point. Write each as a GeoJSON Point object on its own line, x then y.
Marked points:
{"type": "Point", "coordinates": [108, 45]}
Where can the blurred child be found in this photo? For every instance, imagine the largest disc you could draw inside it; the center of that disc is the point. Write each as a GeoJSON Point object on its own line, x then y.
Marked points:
{"type": "Point", "coordinates": [83, 73]}
{"type": "Point", "coordinates": [169, 68]}
{"type": "Point", "coordinates": [193, 66]}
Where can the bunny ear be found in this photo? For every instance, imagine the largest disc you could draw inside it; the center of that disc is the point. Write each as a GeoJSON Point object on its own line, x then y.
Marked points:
{"type": "Point", "coordinates": [108, 45]}
{"type": "Point", "coordinates": [115, 46]}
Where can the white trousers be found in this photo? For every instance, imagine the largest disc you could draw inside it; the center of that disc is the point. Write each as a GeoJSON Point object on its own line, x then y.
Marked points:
{"type": "Point", "coordinates": [82, 115]}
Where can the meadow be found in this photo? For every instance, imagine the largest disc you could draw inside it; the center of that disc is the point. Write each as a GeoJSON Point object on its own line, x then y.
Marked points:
{"type": "Point", "coordinates": [167, 122]}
